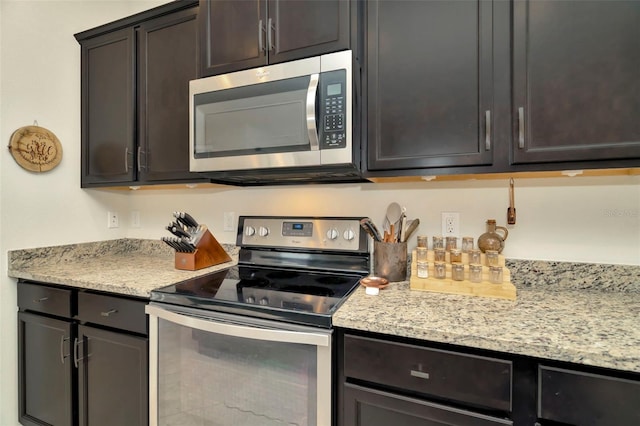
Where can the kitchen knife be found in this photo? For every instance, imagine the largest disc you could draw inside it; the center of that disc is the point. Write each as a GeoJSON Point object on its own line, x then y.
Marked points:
{"type": "Point", "coordinates": [178, 232]}
{"type": "Point", "coordinates": [186, 216]}
{"type": "Point", "coordinates": [182, 221]}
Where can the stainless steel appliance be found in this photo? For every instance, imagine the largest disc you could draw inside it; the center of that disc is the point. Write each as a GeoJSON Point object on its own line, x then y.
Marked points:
{"type": "Point", "coordinates": [283, 123]}
{"type": "Point", "coordinates": [252, 344]}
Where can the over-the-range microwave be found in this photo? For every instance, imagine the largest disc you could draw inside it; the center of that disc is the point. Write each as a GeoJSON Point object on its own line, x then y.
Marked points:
{"type": "Point", "coordinates": [285, 123]}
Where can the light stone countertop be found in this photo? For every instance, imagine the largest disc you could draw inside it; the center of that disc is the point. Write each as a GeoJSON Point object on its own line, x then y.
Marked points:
{"type": "Point", "coordinates": [590, 327]}
{"type": "Point", "coordinates": [580, 313]}
{"type": "Point", "coordinates": [125, 266]}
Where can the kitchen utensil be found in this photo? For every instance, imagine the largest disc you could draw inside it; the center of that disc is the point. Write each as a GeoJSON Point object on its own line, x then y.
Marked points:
{"type": "Point", "coordinates": [394, 213]}
{"type": "Point", "coordinates": [511, 211]}
{"type": "Point", "coordinates": [411, 227]}
{"type": "Point", "coordinates": [403, 224]}
{"type": "Point", "coordinates": [371, 229]}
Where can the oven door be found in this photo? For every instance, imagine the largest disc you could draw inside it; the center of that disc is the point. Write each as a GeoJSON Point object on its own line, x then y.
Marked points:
{"type": "Point", "coordinates": [212, 368]}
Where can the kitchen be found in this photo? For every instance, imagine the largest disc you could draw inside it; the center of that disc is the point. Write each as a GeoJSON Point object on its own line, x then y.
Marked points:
{"type": "Point", "coordinates": [580, 219]}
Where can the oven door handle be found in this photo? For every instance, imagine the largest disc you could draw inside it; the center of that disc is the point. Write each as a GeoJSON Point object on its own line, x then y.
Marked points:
{"type": "Point", "coordinates": [236, 330]}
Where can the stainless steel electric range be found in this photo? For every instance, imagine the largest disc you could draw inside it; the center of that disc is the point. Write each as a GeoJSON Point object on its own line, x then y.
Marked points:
{"type": "Point", "coordinates": [254, 342]}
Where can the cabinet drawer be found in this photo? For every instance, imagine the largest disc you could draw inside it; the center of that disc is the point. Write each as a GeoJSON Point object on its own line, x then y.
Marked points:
{"type": "Point", "coordinates": [587, 399]}
{"type": "Point", "coordinates": [466, 378]}
{"type": "Point", "coordinates": [112, 311]}
{"type": "Point", "coordinates": [45, 299]}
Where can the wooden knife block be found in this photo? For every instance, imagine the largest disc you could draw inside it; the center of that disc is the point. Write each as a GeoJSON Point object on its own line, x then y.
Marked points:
{"type": "Point", "coordinates": [208, 252]}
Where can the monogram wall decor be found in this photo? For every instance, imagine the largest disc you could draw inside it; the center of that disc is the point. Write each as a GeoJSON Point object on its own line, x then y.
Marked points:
{"type": "Point", "coordinates": [35, 148]}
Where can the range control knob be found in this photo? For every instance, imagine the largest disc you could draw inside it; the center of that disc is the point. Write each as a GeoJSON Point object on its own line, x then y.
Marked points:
{"type": "Point", "coordinates": [263, 231]}
{"type": "Point", "coordinates": [249, 231]}
{"type": "Point", "coordinates": [250, 299]}
{"type": "Point", "coordinates": [332, 234]}
{"type": "Point", "coordinates": [349, 234]}
{"type": "Point", "coordinates": [264, 301]}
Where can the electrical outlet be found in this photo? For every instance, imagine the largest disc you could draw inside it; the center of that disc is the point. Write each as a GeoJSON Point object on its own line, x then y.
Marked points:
{"type": "Point", "coordinates": [135, 219]}
{"type": "Point", "coordinates": [112, 220]}
{"type": "Point", "coordinates": [451, 224]}
{"type": "Point", "coordinates": [229, 219]}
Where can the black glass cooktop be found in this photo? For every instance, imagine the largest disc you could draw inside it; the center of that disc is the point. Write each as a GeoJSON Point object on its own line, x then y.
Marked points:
{"type": "Point", "coordinates": [298, 296]}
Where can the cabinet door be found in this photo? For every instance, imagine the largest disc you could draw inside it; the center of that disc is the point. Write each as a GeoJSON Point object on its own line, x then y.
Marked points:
{"type": "Point", "coordinates": [108, 108]}
{"type": "Point", "coordinates": [429, 72]}
{"type": "Point", "coordinates": [233, 35]}
{"type": "Point", "coordinates": [300, 29]}
{"type": "Point", "coordinates": [45, 371]}
{"type": "Point", "coordinates": [369, 407]}
{"type": "Point", "coordinates": [167, 61]}
{"type": "Point", "coordinates": [576, 93]}
{"type": "Point", "coordinates": [112, 378]}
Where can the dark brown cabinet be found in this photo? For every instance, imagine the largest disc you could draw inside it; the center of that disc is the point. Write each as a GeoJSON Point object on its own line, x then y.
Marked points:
{"type": "Point", "coordinates": [429, 84]}
{"type": "Point", "coordinates": [135, 87]}
{"type": "Point", "coordinates": [242, 34]}
{"type": "Point", "coordinates": [496, 86]}
{"type": "Point", "coordinates": [585, 399]}
{"type": "Point", "coordinates": [576, 81]}
{"type": "Point", "coordinates": [83, 357]}
{"type": "Point", "coordinates": [386, 382]}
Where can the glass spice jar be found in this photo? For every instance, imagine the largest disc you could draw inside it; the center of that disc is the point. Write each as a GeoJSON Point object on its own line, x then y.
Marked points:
{"type": "Point", "coordinates": [455, 256]}
{"type": "Point", "coordinates": [475, 273]}
{"type": "Point", "coordinates": [451, 243]}
{"type": "Point", "coordinates": [457, 271]}
{"type": "Point", "coordinates": [440, 270]}
{"type": "Point", "coordinates": [438, 242]}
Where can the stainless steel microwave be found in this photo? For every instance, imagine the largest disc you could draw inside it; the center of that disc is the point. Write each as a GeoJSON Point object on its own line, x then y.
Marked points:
{"type": "Point", "coordinates": [282, 123]}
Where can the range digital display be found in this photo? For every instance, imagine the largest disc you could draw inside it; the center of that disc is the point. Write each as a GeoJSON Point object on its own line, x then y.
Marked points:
{"type": "Point", "coordinates": [297, 229]}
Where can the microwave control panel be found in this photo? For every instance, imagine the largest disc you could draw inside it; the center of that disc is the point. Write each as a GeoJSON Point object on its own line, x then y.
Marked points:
{"type": "Point", "coordinates": [333, 108]}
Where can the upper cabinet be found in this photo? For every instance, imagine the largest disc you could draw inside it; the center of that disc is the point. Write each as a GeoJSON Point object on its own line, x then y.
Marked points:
{"type": "Point", "coordinates": [242, 34]}
{"type": "Point", "coordinates": [430, 84]}
{"type": "Point", "coordinates": [576, 81]}
{"type": "Point", "coordinates": [481, 86]}
{"type": "Point", "coordinates": [135, 86]}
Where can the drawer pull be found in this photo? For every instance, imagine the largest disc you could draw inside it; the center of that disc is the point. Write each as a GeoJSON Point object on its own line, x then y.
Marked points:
{"type": "Point", "coordinates": [420, 374]}
{"type": "Point", "coordinates": [42, 299]}
{"type": "Point", "coordinates": [109, 312]}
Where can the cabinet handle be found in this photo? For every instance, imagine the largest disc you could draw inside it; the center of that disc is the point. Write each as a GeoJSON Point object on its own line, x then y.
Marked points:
{"type": "Point", "coordinates": [260, 39]}
{"type": "Point", "coordinates": [42, 299]}
{"type": "Point", "coordinates": [62, 355]}
{"type": "Point", "coordinates": [487, 130]}
{"type": "Point", "coordinates": [419, 374]}
{"type": "Point", "coordinates": [140, 154]}
{"type": "Point", "coordinates": [76, 344]}
{"type": "Point", "coordinates": [126, 160]}
{"type": "Point", "coordinates": [270, 28]}
{"type": "Point", "coordinates": [521, 127]}
{"type": "Point", "coordinates": [109, 312]}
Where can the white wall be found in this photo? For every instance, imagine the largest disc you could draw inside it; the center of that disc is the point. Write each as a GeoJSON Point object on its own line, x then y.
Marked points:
{"type": "Point", "coordinates": [580, 219]}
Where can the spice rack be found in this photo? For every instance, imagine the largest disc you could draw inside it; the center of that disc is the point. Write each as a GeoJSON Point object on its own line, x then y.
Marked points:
{"type": "Point", "coordinates": [208, 252]}
{"type": "Point", "coordinates": [484, 288]}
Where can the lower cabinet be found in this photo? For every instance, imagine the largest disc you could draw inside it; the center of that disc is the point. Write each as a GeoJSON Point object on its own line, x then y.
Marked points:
{"type": "Point", "coordinates": [82, 358]}
{"type": "Point", "coordinates": [369, 407]}
{"type": "Point", "coordinates": [386, 380]}
{"type": "Point", "coordinates": [396, 383]}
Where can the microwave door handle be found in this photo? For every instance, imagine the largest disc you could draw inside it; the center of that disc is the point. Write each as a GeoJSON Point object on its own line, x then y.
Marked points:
{"type": "Point", "coordinates": [312, 93]}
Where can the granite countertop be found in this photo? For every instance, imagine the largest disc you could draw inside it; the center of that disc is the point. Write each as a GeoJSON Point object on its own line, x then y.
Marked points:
{"type": "Point", "coordinates": [125, 266]}
{"type": "Point", "coordinates": [581, 313]}
{"type": "Point", "coordinates": [584, 326]}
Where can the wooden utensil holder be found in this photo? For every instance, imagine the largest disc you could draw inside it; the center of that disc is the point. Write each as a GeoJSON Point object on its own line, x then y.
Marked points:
{"type": "Point", "coordinates": [485, 288]}
{"type": "Point", "coordinates": [208, 252]}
